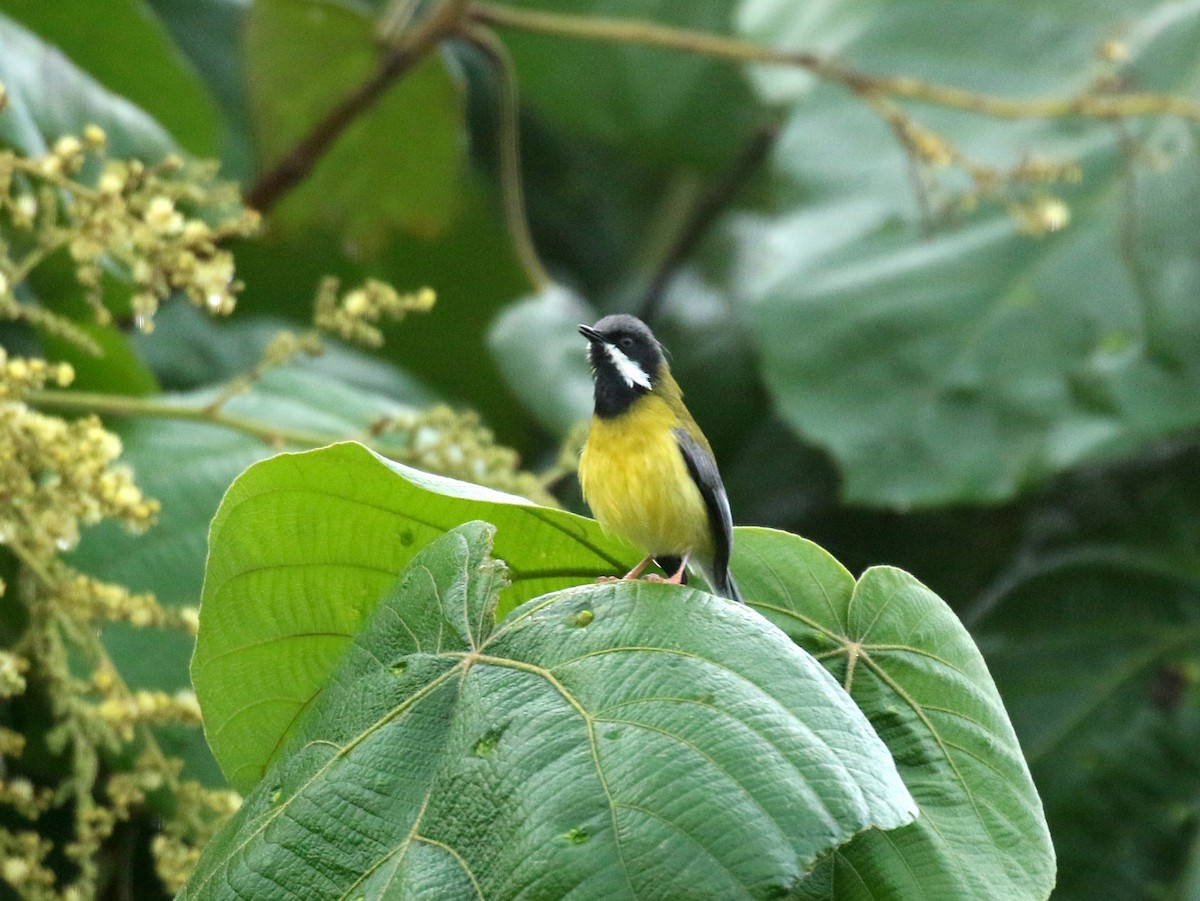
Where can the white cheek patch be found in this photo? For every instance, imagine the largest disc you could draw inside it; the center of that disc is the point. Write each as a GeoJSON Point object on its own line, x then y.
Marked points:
{"type": "Point", "coordinates": [631, 372]}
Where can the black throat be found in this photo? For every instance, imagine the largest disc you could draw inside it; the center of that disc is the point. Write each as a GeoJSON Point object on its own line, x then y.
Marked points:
{"type": "Point", "coordinates": [613, 394]}
{"type": "Point", "coordinates": [626, 360]}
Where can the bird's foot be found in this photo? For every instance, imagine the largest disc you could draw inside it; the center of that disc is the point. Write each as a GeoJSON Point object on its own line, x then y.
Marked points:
{"type": "Point", "coordinates": [606, 580]}
{"type": "Point", "coordinates": [676, 579]}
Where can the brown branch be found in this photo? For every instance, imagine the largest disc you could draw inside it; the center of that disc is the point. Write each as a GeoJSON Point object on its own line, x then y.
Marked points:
{"type": "Point", "coordinates": [705, 212]}
{"type": "Point", "coordinates": [508, 134]}
{"type": "Point", "coordinates": [652, 34]}
{"type": "Point", "coordinates": [295, 166]}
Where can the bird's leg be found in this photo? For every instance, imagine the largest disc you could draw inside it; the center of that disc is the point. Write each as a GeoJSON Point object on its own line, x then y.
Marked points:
{"type": "Point", "coordinates": [677, 577]}
{"type": "Point", "coordinates": [637, 570]}
{"type": "Point", "coordinates": [632, 574]}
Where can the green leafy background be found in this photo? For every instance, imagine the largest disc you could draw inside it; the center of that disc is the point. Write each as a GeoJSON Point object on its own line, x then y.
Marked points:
{"type": "Point", "coordinates": [1011, 419]}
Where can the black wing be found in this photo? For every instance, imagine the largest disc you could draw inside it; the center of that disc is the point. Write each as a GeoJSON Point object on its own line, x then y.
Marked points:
{"type": "Point", "coordinates": [703, 469]}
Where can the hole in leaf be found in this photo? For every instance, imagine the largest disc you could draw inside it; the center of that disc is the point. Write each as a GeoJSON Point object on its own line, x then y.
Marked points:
{"type": "Point", "coordinates": [582, 618]}
{"type": "Point", "coordinates": [576, 836]}
{"type": "Point", "coordinates": [487, 744]}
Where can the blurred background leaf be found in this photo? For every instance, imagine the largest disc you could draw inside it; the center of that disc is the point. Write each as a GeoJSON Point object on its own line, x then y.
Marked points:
{"type": "Point", "coordinates": [1094, 639]}
{"type": "Point", "coordinates": [118, 49]}
{"type": "Point", "coordinates": [995, 358]}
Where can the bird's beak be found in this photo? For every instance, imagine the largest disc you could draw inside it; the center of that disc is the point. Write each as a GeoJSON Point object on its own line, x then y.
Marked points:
{"type": "Point", "coordinates": [591, 334]}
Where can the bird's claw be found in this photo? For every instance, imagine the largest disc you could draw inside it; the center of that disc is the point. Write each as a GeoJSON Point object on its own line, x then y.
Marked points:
{"type": "Point", "coordinates": [676, 579]}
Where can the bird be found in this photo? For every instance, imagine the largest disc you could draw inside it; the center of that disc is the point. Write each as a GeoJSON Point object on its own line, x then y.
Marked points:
{"type": "Point", "coordinates": [647, 471]}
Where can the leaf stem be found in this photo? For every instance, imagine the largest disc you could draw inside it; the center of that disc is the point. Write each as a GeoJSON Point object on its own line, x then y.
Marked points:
{"type": "Point", "coordinates": [652, 34]}
{"type": "Point", "coordinates": [126, 405]}
{"type": "Point", "coordinates": [703, 215]}
{"type": "Point", "coordinates": [509, 136]}
{"type": "Point", "coordinates": [402, 56]}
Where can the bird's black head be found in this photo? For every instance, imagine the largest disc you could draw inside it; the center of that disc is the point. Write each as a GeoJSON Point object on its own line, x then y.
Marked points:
{"type": "Point", "coordinates": [626, 360]}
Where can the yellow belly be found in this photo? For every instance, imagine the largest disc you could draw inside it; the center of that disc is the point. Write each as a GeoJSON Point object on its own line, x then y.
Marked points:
{"type": "Point", "coordinates": [638, 486]}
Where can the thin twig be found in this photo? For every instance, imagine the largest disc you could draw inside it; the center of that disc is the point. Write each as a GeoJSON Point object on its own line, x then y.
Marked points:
{"type": "Point", "coordinates": [126, 405]}
{"type": "Point", "coordinates": [509, 136]}
{"type": "Point", "coordinates": [705, 212]}
{"type": "Point", "coordinates": [652, 34]}
{"type": "Point", "coordinates": [299, 162]}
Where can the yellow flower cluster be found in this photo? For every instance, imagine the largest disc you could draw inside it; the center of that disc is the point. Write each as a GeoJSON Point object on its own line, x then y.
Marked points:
{"type": "Point", "coordinates": [19, 375]}
{"type": "Point", "coordinates": [353, 318]}
{"type": "Point", "coordinates": [152, 707]}
{"type": "Point", "coordinates": [458, 445]}
{"type": "Point", "coordinates": [161, 225]}
{"type": "Point", "coordinates": [1040, 215]}
{"type": "Point", "coordinates": [12, 674]}
{"type": "Point", "coordinates": [22, 866]}
{"type": "Point", "coordinates": [175, 853]}
{"type": "Point", "coordinates": [58, 475]}
{"type": "Point", "coordinates": [94, 600]}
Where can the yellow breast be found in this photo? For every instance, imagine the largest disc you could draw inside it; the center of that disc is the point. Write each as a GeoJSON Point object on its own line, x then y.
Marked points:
{"type": "Point", "coordinates": [637, 484]}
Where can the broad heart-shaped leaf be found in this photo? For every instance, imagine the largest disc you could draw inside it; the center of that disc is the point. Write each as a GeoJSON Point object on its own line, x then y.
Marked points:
{"type": "Point", "coordinates": [49, 96]}
{"type": "Point", "coordinates": [915, 672]}
{"type": "Point", "coordinates": [302, 549]}
{"type": "Point", "coordinates": [604, 742]}
{"type": "Point", "coordinates": [397, 167]}
{"type": "Point", "coordinates": [969, 365]}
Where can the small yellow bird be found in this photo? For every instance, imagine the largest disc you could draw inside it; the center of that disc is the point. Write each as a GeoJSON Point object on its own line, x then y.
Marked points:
{"type": "Point", "coordinates": [647, 470]}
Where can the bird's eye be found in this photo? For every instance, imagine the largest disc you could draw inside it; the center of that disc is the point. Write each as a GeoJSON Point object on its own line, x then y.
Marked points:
{"type": "Point", "coordinates": [626, 342]}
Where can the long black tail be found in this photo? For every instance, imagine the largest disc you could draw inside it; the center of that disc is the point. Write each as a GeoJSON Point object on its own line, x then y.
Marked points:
{"type": "Point", "coordinates": [726, 587]}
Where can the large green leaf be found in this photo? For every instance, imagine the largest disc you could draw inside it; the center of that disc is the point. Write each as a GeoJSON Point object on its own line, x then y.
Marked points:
{"type": "Point", "coordinates": [966, 366]}
{"type": "Point", "coordinates": [126, 49]}
{"type": "Point", "coordinates": [668, 106]}
{"type": "Point", "coordinates": [48, 96]}
{"type": "Point", "coordinates": [188, 466]}
{"type": "Point", "coordinates": [1094, 639]}
{"type": "Point", "coordinates": [397, 167]}
{"type": "Point", "coordinates": [914, 671]}
{"type": "Point", "coordinates": [631, 741]}
{"type": "Point", "coordinates": [325, 573]}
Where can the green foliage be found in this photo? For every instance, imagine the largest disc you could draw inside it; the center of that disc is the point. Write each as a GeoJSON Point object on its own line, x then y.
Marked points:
{"type": "Point", "coordinates": [1112, 737]}
{"type": "Point", "coordinates": [300, 584]}
{"type": "Point", "coordinates": [910, 665]}
{"type": "Point", "coordinates": [631, 741]}
{"type": "Point", "coordinates": [976, 363]}
{"type": "Point", "coordinates": [304, 561]}
{"type": "Point", "coordinates": [929, 286]}
{"type": "Point", "coordinates": [117, 49]}
{"type": "Point", "coordinates": [698, 112]}
{"type": "Point", "coordinates": [396, 169]}
{"type": "Point", "coordinates": [47, 96]}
